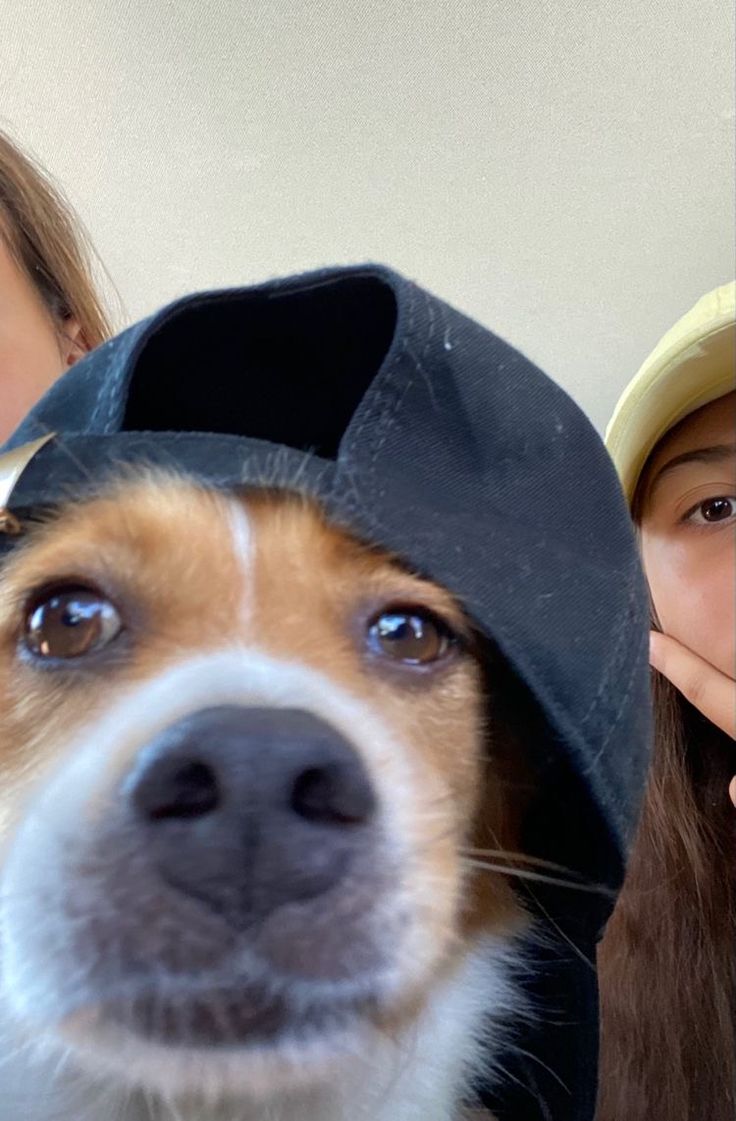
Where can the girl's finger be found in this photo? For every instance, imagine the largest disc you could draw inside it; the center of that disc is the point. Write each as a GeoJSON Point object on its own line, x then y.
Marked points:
{"type": "Point", "coordinates": [709, 690]}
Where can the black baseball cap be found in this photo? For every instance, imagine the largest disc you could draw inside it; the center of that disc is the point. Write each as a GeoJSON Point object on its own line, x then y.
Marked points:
{"type": "Point", "coordinates": [426, 434]}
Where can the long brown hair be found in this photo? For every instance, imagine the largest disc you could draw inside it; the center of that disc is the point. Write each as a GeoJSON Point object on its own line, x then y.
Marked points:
{"type": "Point", "coordinates": [667, 963]}
{"type": "Point", "coordinates": [42, 232]}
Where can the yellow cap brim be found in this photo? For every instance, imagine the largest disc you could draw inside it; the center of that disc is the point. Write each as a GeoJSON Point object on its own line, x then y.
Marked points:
{"type": "Point", "coordinates": [694, 364]}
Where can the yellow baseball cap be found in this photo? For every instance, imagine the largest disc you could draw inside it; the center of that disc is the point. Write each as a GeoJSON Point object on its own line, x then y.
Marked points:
{"type": "Point", "coordinates": [694, 364]}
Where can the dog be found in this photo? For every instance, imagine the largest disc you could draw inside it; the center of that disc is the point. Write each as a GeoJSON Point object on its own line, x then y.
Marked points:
{"type": "Point", "coordinates": [248, 769]}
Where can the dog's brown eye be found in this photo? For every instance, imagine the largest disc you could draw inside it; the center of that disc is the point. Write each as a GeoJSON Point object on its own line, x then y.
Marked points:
{"type": "Point", "coordinates": [413, 637]}
{"type": "Point", "coordinates": [69, 623]}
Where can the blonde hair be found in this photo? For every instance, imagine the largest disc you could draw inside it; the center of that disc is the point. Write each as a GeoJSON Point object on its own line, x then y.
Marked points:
{"type": "Point", "coordinates": [45, 237]}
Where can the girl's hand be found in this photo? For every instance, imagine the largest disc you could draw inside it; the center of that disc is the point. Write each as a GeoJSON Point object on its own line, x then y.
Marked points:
{"type": "Point", "coordinates": [709, 690]}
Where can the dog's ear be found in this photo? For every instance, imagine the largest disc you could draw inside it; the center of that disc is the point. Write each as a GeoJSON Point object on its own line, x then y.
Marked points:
{"type": "Point", "coordinates": [12, 465]}
{"type": "Point", "coordinates": [548, 808]}
{"type": "Point", "coordinates": [509, 783]}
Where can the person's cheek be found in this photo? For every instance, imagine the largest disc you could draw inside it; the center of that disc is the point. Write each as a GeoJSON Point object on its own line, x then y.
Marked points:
{"type": "Point", "coordinates": [721, 607]}
{"type": "Point", "coordinates": [693, 585]}
{"type": "Point", "coordinates": [670, 582]}
{"type": "Point", "coordinates": [29, 365]}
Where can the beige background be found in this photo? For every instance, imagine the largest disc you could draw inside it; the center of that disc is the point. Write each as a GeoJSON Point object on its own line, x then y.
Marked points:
{"type": "Point", "coordinates": [561, 169]}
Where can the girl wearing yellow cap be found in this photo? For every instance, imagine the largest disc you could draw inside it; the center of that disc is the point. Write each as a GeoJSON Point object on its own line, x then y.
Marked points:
{"type": "Point", "coordinates": [668, 960]}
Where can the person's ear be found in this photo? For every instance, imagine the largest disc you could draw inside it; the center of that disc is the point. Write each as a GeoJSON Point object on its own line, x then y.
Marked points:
{"type": "Point", "coordinates": [72, 342]}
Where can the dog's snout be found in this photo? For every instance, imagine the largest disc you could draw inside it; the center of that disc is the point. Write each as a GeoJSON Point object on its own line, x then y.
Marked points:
{"type": "Point", "coordinates": [249, 808]}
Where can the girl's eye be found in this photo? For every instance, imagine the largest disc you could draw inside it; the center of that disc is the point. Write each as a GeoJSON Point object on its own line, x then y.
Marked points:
{"type": "Point", "coordinates": [713, 510]}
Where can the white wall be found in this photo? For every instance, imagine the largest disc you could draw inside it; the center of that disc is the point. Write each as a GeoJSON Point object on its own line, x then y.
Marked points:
{"type": "Point", "coordinates": [562, 170]}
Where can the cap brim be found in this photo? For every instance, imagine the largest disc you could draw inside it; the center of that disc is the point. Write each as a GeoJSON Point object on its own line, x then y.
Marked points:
{"type": "Point", "coordinates": [694, 364]}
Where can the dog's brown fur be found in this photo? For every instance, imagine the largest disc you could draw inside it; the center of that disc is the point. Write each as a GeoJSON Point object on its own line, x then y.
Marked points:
{"type": "Point", "coordinates": [163, 552]}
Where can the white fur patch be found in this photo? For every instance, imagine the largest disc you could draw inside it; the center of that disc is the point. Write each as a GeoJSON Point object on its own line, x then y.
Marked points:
{"type": "Point", "coordinates": [359, 1074]}
{"type": "Point", "coordinates": [244, 548]}
{"type": "Point", "coordinates": [417, 1076]}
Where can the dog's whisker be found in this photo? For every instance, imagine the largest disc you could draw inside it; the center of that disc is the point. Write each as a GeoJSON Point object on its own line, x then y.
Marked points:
{"type": "Point", "coordinates": [539, 877]}
{"type": "Point", "coordinates": [522, 858]}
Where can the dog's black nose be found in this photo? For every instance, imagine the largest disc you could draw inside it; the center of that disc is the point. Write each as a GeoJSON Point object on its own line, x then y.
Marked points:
{"type": "Point", "coordinates": [249, 808]}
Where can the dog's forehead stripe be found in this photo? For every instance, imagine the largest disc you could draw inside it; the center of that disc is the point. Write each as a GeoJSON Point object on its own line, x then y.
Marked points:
{"type": "Point", "coordinates": [242, 534]}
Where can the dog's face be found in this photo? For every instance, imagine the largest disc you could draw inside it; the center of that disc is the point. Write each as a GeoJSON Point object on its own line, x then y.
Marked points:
{"type": "Point", "coordinates": [240, 757]}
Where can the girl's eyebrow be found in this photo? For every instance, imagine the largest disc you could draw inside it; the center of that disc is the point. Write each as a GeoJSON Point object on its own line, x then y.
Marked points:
{"type": "Point", "coordinates": [715, 454]}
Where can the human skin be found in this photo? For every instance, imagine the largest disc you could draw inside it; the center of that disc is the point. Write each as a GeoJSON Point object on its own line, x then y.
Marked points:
{"type": "Point", "coordinates": [688, 533]}
{"type": "Point", "coordinates": [35, 349]}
